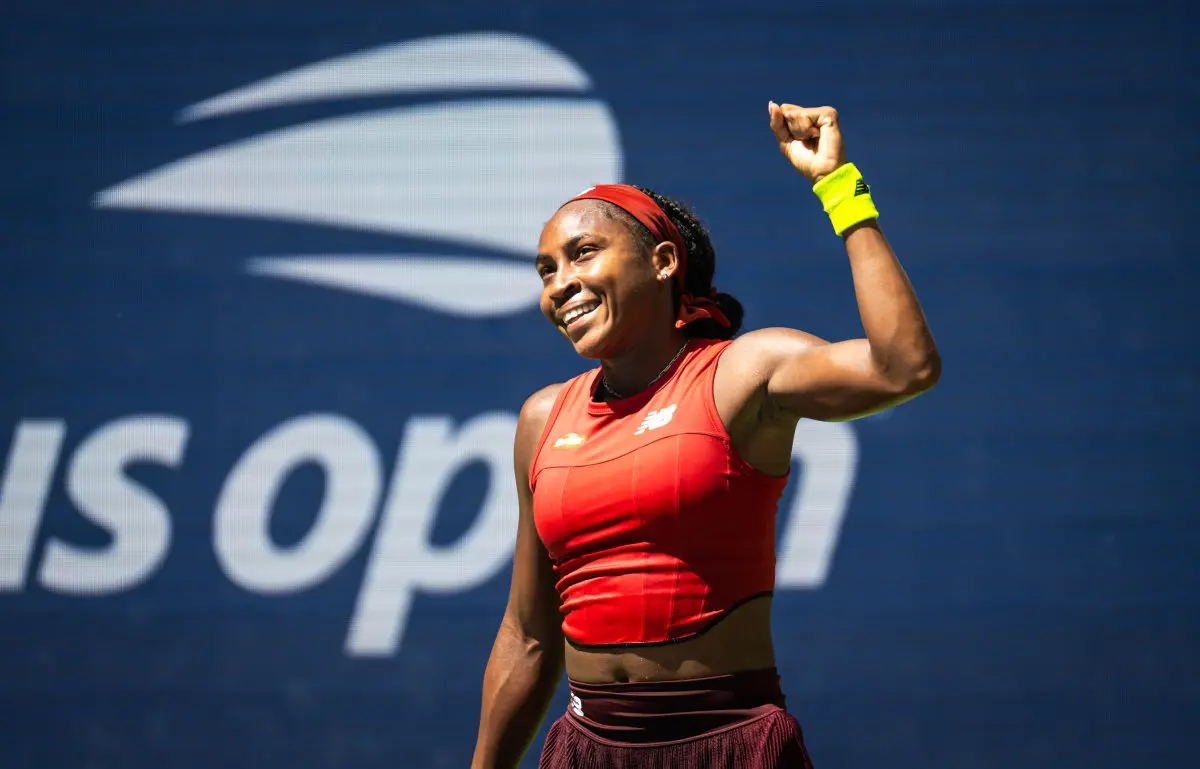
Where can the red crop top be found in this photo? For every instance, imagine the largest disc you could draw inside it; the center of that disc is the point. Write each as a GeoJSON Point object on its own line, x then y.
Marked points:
{"type": "Point", "coordinates": [657, 527]}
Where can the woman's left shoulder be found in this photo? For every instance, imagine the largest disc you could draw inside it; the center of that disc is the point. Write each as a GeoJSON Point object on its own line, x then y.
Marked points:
{"type": "Point", "coordinates": [744, 372]}
{"type": "Point", "coordinates": [765, 346]}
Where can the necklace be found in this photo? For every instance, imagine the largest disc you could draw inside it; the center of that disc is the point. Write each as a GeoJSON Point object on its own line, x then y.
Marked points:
{"type": "Point", "coordinates": [618, 396]}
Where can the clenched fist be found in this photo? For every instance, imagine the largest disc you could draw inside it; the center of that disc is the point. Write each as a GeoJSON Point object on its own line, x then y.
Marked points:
{"type": "Point", "coordinates": [809, 137]}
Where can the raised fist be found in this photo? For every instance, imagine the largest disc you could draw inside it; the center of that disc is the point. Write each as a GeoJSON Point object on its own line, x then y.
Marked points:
{"type": "Point", "coordinates": [809, 137]}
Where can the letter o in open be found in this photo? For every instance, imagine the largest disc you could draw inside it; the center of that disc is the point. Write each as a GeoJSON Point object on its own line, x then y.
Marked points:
{"type": "Point", "coordinates": [353, 479]}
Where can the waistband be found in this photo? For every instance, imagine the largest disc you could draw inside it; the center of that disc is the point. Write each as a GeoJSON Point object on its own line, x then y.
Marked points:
{"type": "Point", "coordinates": [664, 711]}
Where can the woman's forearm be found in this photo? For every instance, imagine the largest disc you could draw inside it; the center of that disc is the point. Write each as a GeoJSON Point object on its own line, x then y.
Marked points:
{"type": "Point", "coordinates": [901, 343]}
{"type": "Point", "coordinates": [518, 684]}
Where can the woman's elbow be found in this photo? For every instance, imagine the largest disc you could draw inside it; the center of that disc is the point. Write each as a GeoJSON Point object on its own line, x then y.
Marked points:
{"type": "Point", "coordinates": [928, 373]}
{"type": "Point", "coordinates": [917, 376]}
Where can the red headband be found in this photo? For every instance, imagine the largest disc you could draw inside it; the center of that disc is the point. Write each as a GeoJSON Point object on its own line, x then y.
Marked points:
{"type": "Point", "coordinates": [642, 207]}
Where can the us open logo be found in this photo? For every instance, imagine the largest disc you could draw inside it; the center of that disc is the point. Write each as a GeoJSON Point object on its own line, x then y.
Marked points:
{"type": "Point", "coordinates": [481, 173]}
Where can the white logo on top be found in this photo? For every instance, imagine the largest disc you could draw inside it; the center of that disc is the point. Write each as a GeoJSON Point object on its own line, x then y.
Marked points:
{"type": "Point", "coordinates": [576, 704]}
{"type": "Point", "coordinates": [473, 174]}
{"type": "Point", "coordinates": [656, 419]}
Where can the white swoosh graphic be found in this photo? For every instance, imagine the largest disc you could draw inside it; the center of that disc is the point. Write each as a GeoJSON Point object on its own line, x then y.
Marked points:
{"type": "Point", "coordinates": [487, 173]}
{"type": "Point", "coordinates": [481, 60]}
{"type": "Point", "coordinates": [467, 287]}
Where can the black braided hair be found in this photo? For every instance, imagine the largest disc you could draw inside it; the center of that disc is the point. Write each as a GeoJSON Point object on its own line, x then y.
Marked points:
{"type": "Point", "coordinates": [701, 264]}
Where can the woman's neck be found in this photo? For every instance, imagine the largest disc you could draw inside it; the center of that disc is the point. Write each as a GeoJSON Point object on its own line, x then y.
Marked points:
{"type": "Point", "coordinates": [637, 368]}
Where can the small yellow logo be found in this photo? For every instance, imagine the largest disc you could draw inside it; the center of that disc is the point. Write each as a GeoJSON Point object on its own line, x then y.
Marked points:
{"type": "Point", "coordinates": [569, 441]}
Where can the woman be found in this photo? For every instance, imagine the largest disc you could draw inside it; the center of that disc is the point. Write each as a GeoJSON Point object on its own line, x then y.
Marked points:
{"type": "Point", "coordinates": [648, 486]}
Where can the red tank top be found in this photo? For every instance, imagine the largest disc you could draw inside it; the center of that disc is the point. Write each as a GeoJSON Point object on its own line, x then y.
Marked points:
{"type": "Point", "coordinates": [657, 527]}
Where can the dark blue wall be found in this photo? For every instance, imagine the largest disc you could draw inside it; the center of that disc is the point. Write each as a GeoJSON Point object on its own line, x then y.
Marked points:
{"type": "Point", "coordinates": [1013, 570]}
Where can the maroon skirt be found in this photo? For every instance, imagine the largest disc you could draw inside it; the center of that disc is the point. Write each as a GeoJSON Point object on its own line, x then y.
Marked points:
{"type": "Point", "coordinates": [735, 721]}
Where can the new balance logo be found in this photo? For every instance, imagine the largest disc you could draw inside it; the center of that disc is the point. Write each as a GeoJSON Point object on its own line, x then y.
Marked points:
{"type": "Point", "coordinates": [861, 188]}
{"type": "Point", "coordinates": [656, 419]}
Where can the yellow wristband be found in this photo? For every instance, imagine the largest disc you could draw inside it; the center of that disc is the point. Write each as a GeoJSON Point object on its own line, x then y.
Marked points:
{"type": "Point", "coordinates": [846, 197]}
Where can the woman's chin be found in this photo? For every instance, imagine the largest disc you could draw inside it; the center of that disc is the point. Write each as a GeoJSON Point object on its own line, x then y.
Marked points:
{"type": "Point", "coordinates": [584, 348]}
{"type": "Point", "coordinates": [590, 344]}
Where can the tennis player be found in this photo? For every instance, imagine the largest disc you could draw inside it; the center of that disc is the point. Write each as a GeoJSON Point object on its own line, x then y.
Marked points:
{"type": "Point", "coordinates": [649, 485]}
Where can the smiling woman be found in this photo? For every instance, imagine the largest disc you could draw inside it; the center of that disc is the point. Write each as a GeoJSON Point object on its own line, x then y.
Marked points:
{"type": "Point", "coordinates": [648, 486]}
{"type": "Point", "coordinates": [625, 226]}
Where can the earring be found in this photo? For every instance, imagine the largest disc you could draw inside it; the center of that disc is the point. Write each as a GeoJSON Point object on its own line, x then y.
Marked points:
{"type": "Point", "coordinates": [663, 275]}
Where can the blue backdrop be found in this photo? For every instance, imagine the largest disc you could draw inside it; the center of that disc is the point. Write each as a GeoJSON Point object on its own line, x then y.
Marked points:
{"type": "Point", "coordinates": [268, 317]}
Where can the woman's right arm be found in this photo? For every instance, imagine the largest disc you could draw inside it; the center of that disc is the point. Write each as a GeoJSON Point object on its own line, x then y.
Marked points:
{"type": "Point", "coordinates": [526, 663]}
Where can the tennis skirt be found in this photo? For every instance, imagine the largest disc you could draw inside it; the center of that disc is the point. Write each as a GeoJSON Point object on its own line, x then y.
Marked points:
{"type": "Point", "coordinates": [735, 721]}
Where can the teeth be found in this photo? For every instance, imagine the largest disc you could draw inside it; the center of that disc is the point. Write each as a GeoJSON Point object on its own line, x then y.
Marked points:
{"type": "Point", "coordinates": [578, 311]}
